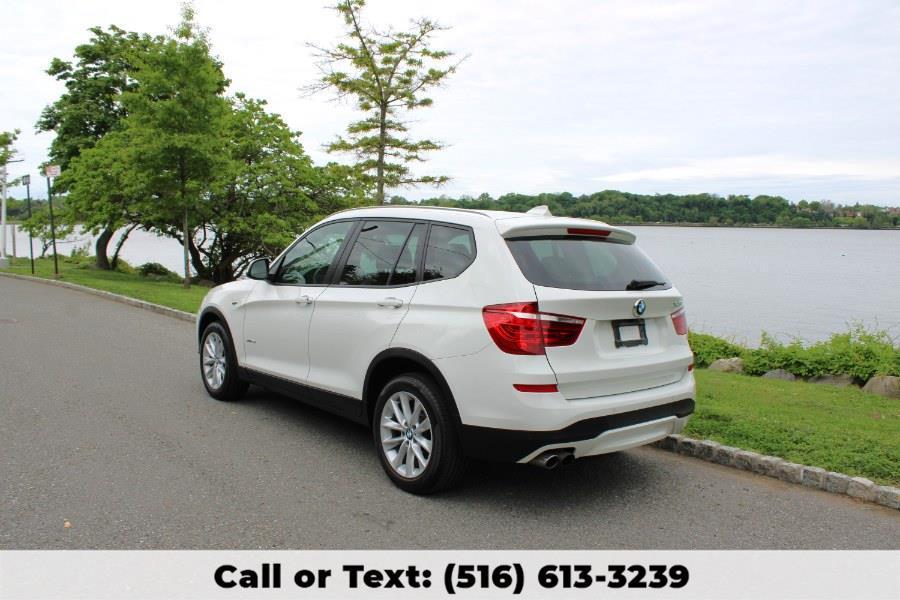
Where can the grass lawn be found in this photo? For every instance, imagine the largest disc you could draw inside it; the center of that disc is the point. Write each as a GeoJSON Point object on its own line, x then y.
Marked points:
{"type": "Point", "coordinates": [839, 429]}
{"type": "Point", "coordinates": [79, 270]}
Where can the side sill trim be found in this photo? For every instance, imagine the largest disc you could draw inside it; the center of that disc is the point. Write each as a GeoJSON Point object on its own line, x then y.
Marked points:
{"type": "Point", "coordinates": [338, 404]}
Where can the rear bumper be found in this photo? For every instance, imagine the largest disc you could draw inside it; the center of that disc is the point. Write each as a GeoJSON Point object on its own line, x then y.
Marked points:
{"type": "Point", "coordinates": [588, 437]}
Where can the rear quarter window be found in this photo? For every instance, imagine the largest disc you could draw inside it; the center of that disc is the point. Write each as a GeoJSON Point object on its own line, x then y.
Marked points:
{"type": "Point", "coordinates": [579, 263]}
{"type": "Point", "coordinates": [450, 251]}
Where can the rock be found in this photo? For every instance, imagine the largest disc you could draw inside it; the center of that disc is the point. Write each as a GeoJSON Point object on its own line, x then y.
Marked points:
{"type": "Point", "coordinates": [886, 495]}
{"type": "Point", "coordinates": [707, 449]}
{"type": "Point", "coordinates": [838, 380]}
{"type": "Point", "coordinates": [790, 472]}
{"type": "Point", "coordinates": [745, 460]}
{"type": "Point", "coordinates": [836, 483]}
{"type": "Point", "coordinates": [687, 446]}
{"type": "Point", "coordinates": [883, 385]}
{"type": "Point", "coordinates": [813, 476]}
{"type": "Point", "coordinates": [779, 374]}
{"type": "Point", "coordinates": [728, 365]}
{"type": "Point", "coordinates": [725, 455]}
{"type": "Point", "coordinates": [861, 488]}
{"type": "Point", "coordinates": [767, 465]}
{"type": "Point", "coordinates": [670, 442]}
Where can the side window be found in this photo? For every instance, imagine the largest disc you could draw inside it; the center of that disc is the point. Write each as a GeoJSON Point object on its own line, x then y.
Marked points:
{"type": "Point", "coordinates": [408, 264]}
{"type": "Point", "coordinates": [375, 253]}
{"type": "Point", "coordinates": [450, 251]}
{"type": "Point", "coordinates": [308, 261]}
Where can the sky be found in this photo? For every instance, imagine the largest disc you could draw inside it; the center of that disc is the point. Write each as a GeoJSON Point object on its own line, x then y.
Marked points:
{"type": "Point", "coordinates": [798, 99]}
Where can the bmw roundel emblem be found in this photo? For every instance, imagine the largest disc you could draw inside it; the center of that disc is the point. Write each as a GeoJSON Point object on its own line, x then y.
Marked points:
{"type": "Point", "coordinates": [639, 308]}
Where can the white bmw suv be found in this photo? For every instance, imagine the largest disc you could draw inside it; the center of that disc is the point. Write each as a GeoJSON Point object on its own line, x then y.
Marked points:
{"type": "Point", "coordinates": [457, 334]}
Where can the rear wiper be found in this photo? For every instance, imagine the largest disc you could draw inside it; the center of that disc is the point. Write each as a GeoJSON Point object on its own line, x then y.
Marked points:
{"type": "Point", "coordinates": [643, 284]}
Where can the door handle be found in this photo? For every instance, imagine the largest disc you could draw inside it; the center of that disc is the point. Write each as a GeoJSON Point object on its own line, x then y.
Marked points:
{"type": "Point", "coordinates": [391, 301]}
{"type": "Point", "coordinates": [304, 299]}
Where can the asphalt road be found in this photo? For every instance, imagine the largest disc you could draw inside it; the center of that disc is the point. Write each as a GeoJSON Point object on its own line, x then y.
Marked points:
{"type": "Point", "coordinates": [104, 424]}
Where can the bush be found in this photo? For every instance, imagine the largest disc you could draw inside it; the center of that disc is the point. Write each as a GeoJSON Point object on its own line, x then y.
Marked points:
{"type": "Point", "coordinates": [708, 348]}
{"type": "Point", "coordinates": [858, 353]}
{"type": "Point", "coordinates": [122, 266]}
{"type": "Point", "coordinates": [153, 270]}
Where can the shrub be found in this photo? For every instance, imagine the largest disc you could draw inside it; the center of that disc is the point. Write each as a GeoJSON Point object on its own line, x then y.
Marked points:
{"type": "Point", "coordinates": [858, 353]}
{"type": "Point", "coordinates": [708, 348]}
{"type": "Point", "coordinates": [123, 266]}
{"type": "Point", "coordinates": [153, 270]}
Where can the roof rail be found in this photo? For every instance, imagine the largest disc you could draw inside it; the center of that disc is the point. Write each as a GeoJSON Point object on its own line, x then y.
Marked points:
{"type": "Point", "coordinates": [465, 210]}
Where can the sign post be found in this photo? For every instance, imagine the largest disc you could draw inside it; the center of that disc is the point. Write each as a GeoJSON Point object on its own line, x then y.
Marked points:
{"type": "Point", "coordinates": [26, 180]}
{"type": "Point", "coordinates": [52, 171]}
{"type": "Point", "coordinates": [4, 262]}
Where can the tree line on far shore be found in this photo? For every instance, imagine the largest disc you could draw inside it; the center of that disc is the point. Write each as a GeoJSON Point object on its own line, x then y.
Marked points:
{"type": "Point", "coordinates": [695, 209]}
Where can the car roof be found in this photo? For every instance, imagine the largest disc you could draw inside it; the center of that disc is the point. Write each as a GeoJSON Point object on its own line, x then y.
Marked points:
{"type": "Point", "coordinates": [501, 220]}
{"type": "Point", "coordinates": [463, 216]}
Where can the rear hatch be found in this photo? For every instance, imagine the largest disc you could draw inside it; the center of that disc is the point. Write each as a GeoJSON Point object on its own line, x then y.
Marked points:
{"type": "Point", "coordinates": [593, 271]}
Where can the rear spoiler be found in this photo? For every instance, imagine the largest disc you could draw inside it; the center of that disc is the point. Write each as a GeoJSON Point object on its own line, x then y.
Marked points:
{"type": "Point", "coordinates": [531, 226]}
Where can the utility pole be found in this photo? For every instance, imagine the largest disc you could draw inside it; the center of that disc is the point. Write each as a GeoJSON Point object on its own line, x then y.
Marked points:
{"type": "Point", "coordinates": [4, 261]}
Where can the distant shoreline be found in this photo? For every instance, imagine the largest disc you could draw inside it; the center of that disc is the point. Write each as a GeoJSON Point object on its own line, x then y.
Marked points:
{"type": "Point", "coordinates": [708, 225]}
{"type": "Point", "coordinates": [751, 226]}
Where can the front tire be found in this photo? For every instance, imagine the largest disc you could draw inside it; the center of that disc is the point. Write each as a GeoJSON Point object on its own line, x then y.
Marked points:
{"type": "Point", "coordinates": [415, 435]}
{"type": "Point", "coordinates": [218, 364]}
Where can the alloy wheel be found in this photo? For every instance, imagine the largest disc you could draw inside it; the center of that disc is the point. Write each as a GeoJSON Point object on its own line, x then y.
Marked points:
{"type": "Point", "coordinates": [406, 435]}
{"type": "Point", "coordinates": [214, 362]}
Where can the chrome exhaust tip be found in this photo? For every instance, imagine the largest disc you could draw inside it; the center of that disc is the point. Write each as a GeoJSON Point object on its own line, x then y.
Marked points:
{"type": "Point", "coordinates": [547, 460]}
{"type": "Point", "coordinates": [567, 458]}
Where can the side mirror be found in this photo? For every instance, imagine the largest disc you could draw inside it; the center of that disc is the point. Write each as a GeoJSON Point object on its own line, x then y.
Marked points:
{"type": "Point", "coordinates": [259, 269]}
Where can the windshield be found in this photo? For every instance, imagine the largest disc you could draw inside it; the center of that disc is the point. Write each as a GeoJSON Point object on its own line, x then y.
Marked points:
{"type": "Point", "coordinates": [578, 263]}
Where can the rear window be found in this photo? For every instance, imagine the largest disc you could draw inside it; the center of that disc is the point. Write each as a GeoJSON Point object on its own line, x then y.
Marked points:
{"type": "Point", "coordinates": [577, 263]}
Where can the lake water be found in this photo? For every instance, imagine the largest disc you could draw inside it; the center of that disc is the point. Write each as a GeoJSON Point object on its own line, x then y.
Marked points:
{"type": "Point", "coordinates": [736, 282]}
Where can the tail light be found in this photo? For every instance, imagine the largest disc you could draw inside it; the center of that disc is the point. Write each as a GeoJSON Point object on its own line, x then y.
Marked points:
{"type": "Point", "coordinates": [520, 328]}
{"type": "Point", "coordinates": [679, 320]}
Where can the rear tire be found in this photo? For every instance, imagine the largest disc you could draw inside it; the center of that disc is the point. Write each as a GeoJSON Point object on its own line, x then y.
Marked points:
{"type": "Point", "coordinates": [218, 364]}
{"type": "Point", "coordinates": [415, 435]}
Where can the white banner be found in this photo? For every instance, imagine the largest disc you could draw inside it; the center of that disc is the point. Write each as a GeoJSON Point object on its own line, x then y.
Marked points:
{"type": "Point", "coordinates": [719, 575]}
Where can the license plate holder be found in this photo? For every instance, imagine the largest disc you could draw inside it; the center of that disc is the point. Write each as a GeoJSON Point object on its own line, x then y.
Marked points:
{"type": "Point", "coordinates": [629, 333]}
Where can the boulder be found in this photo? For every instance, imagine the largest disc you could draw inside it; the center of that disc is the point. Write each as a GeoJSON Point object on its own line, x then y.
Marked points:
{"type": "Point", "coordinates": [883, 385]}
{"type": "Point", "coordinates": [838, 380]}
{"type": "Point", "coordinates": [728, 365]}
{"type": "Point", "coordinates": [779, 374]}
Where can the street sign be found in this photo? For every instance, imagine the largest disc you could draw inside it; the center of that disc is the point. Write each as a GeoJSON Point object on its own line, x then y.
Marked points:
{"type": "Point", "coordinates": [26, 179]}
{"type": "Point", "coordinates": [51, 171]}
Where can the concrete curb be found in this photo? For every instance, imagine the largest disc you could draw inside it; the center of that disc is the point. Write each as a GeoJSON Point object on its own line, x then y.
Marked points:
{"type": "Point", "coordinates": [157, 308]}
{"type": "Point", "coordinates": [778, 468]}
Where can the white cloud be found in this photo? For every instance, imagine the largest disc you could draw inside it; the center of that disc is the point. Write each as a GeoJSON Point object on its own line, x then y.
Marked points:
{"type": "Point", "coordinates": [754, 97]}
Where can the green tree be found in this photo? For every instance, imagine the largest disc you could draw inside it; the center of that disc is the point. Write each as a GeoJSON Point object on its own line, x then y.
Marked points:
{"type": "Point", "coordinates": [89, 109]}
{"type": "Point", "coordinates": [7, 148]}
{"type": "Point", "coordinates": [38, 225]}
{"type": "Point", "coordinates": [106, 191]}
{"type": "Point", "coordinates": [387, 74]}
{"type": "Point", "coordinates": [175, 119]}
{"type": "Point", "coordinates": [266, 193]}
